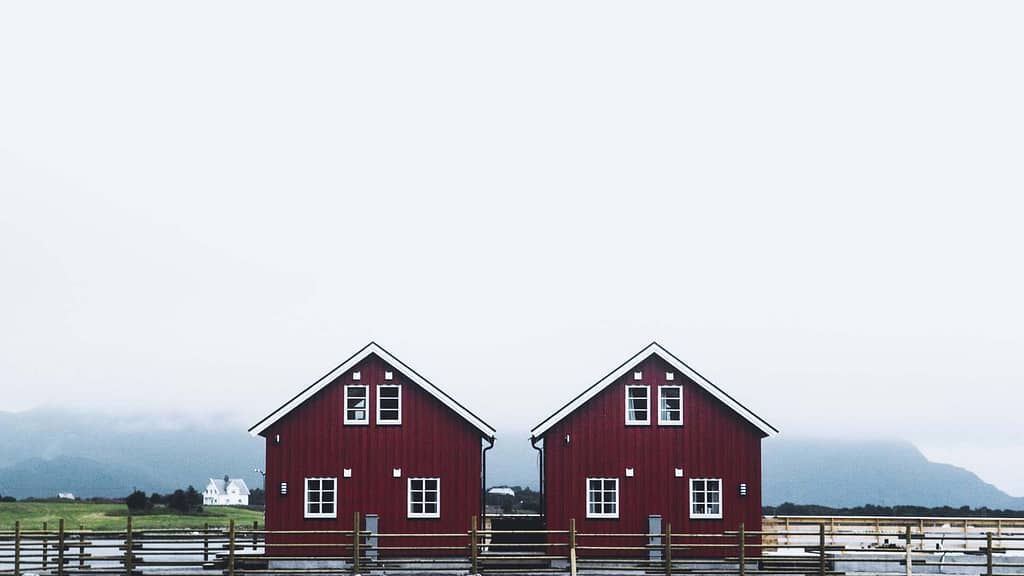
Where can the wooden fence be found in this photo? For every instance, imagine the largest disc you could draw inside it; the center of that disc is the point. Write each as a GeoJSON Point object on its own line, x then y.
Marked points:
{"type": "Point", "coordinates": [803, 547]}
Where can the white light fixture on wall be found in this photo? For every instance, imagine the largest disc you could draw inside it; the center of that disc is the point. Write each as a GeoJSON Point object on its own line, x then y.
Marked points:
{"type": "Point", "coordinates": [284, 488]}
{"type": "Point", "coordinates": [670, 376]}
{"type": "Point", "coordinates": [629, 472]}
{"type": "Point", "coordinates": [679, 472]}
{"type": "Point", "coordinates": [638, 375]}
{"type": "Point", "coordinates": [743, 488]}
{"type": "Point", "coordinates": [396, 472]}
{"type": "Point", "coordinates": [357, 375]}
{"type": "Point", "coordinates": [389, 375]}
{"type": "Point", "coordinates": [347, 473]}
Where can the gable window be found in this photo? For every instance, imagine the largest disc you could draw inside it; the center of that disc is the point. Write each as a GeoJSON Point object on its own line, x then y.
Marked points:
{"type": "Point", "coordinates": [321, 498]}
{"type": "Point", "coordinates": [602, 497]}
{"type": "Point", "coordinates": [705, 497]}
{"type": "Point", "coordinates": [357, 409]}
{"type": "Point", "coordinates": [670, 405]}
{"type": "Point", "coordinates": [424, 497]}
{"type": "Point", "coordinates": [638, 405]}
{"type": "Point", "coordinates": [389, 404]}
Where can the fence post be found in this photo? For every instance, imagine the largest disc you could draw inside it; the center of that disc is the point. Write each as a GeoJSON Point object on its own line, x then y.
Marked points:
{"type": "Point", "coordinates": [356, 541]}
{"type": "Point", "coordinates": [572, 547]}
{"type": "Point", "coordinates": [231, 547]}
{"type": "Point", "coordinates": [60, 547]}
{"type": "Point", "coordinates": [472, 547]}
{"type": "Point", "coordinates": [910, 553]}
{"type": "Point", "coordinates": [821, 550]}
{"type": "Point", "coordinates": [743, 551]}
{"type": "Point", "coordinates": [255, 527]}
{"type": "Point", "coordinates": [206, 542]}
{"type": "Point", "coordinates": [46, 547]}
{"type": "Point", "coordinates": [17, 548]}
{"type": "Point", "coordinates": [129, 547]}
{"type": "Point", "coordinates": [668, 549]}
{"type": "Point", "coordinates": [988, 554]}
{"type": "Point", "coordinates": [81, 547]}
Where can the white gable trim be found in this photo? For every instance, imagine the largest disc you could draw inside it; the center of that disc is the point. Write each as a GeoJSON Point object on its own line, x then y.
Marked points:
{"type": "Point", "coordinates": [653, 349]}
{"type": "Point", "coordinates": [372, 348]}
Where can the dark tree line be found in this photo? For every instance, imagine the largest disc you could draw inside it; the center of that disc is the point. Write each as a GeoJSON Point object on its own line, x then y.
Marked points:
{"type": "Point", "coordinates": [790, 509]}
{"type": "Point", "coordinates": [187, 501]}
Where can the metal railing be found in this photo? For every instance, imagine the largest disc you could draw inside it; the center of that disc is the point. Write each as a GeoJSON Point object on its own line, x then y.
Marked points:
{"type": "Point", "coordinates": [802, 547]}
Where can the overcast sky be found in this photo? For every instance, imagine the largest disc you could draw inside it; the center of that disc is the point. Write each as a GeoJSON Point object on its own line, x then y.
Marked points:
{"type": "Point", "coordinates": [205, 206]}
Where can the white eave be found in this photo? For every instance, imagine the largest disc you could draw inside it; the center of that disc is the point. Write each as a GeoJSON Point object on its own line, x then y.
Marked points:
{"type": "Point", "coordinates": [653, 349]}
{"type": "Point", "coordinates": [373, 348]}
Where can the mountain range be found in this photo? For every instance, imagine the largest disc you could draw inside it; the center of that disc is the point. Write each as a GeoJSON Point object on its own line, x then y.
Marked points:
{"type": "Point", "coordinates": [46, 451]}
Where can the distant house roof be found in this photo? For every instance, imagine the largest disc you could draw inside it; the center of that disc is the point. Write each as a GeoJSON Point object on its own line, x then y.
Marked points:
{"type": "Point", "coordinates": [502, 491]}
{"type": "Point", "coordinates": [653, 349]}
{"type": "Point", "coordinates": [220, 488]}
{"type": "Point", "coordinates": [372, 348]}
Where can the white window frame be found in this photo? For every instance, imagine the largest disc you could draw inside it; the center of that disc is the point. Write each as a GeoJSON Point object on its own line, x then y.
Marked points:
{"type": "Point", "coordinates": [408, 499]}
{"type": "Point", "coordinates": [661, 398]}
{"type": "Point", "coordinates": [602, 514]}
{"type": "Point", "coordinates": [707, 515]}
{"type": "Point", "coordinates": [305, 500]}
{"type": "Point", "coordinates": [397, 422]}
{"type": "Point", "coordinates": [647, 390]}
{"type": "Point", "coordinates": [366, 418]}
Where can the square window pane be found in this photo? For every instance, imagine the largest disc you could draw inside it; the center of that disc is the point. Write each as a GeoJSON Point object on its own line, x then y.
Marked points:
{"type": "Point", "coordinates": [698, 485]}
{"type": "Point", "coordinates": [327, 508]}
{"type": "Point", "coordinates": [417, 508]}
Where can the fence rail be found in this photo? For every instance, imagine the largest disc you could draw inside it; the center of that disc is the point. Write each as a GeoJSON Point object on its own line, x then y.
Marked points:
{"type": "Point", "coordinates": [785, 545]}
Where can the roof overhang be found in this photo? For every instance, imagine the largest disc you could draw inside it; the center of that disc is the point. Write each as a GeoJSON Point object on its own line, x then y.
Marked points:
{"type": "Point", "coordinates": [372, 348]}
{"type": "Point", "coordinates": [653, 349]}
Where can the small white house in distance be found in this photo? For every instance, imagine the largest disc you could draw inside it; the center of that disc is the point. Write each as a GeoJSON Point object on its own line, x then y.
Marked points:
{"type": "Point", "coordinates": [503, 491]}
{"type": "Point", "coordinates": [65, 496]}
{"type": "Point", "coordinates": [226, 492]}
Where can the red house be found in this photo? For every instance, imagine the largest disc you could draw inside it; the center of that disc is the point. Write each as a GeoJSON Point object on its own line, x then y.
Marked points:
{"type": "Point", "coordinates": [372, 436]}
{"type": "Point", "coordinates": [653, 437]}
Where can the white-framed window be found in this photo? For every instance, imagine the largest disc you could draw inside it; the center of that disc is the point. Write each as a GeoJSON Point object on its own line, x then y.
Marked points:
{"type": "Point", "coordinates": [602, 497]}
{"type": "Point", "coordinates": [389, 404]}
{"type": "Point", "coordinates": [670, 405]}
{"type": "Point", "coordinates": [705, 497]}
{"type": "Point", "coordinates": [357, 404]}
{"type": "Point", "coordinates": [638, 405]}
{"type": "Point", "coordinates": [321, 498]}
{"type": "Point", "coordinates": [424, 497]}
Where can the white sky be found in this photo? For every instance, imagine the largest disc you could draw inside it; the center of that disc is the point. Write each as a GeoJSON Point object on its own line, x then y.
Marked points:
{"type": "Point", "coordinates": [204, 206]}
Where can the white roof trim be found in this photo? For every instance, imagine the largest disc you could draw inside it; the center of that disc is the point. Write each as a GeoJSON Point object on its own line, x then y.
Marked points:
{"type": "Point", "coordinates": [372, 348]}
{"type": "Point", "coordinates": [653, 348]}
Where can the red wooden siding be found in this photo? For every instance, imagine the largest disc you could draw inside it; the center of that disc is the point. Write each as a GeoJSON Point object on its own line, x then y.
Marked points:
{"type": "Point", "coordinates": [714, 442]}
{"type": "Point", "coordinates": [432, 441]}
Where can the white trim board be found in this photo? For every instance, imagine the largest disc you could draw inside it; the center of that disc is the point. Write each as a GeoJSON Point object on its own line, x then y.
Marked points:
{"type": "Point", "coordinates": [653, 349]}
{"type": "Point", "coordinates": [372, 348]}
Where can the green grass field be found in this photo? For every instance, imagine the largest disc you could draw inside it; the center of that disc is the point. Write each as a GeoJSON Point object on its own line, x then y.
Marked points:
{"type": "Point", "coordinates": [113, 516]}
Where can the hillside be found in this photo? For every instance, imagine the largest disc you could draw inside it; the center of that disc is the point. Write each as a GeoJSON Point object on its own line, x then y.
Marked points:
{"type": "Point", "coordinates": [843, 473]}
{"type": "Point", "coordinates": [43, 452]}
{"type": "Point", "coordinates": [46, 451]}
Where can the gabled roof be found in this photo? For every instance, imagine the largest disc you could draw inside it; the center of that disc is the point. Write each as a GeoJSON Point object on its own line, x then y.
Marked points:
{"type": "Point", "coordinates": [653, 349]}
{"type": "Point", "coordinates": [219, 486]}
{"type": "Point", "coordinates": [373, 348]}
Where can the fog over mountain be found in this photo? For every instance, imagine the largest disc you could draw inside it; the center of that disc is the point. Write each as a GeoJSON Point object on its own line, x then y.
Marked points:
{"type": "Point", "coordinates": [46, 451]}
